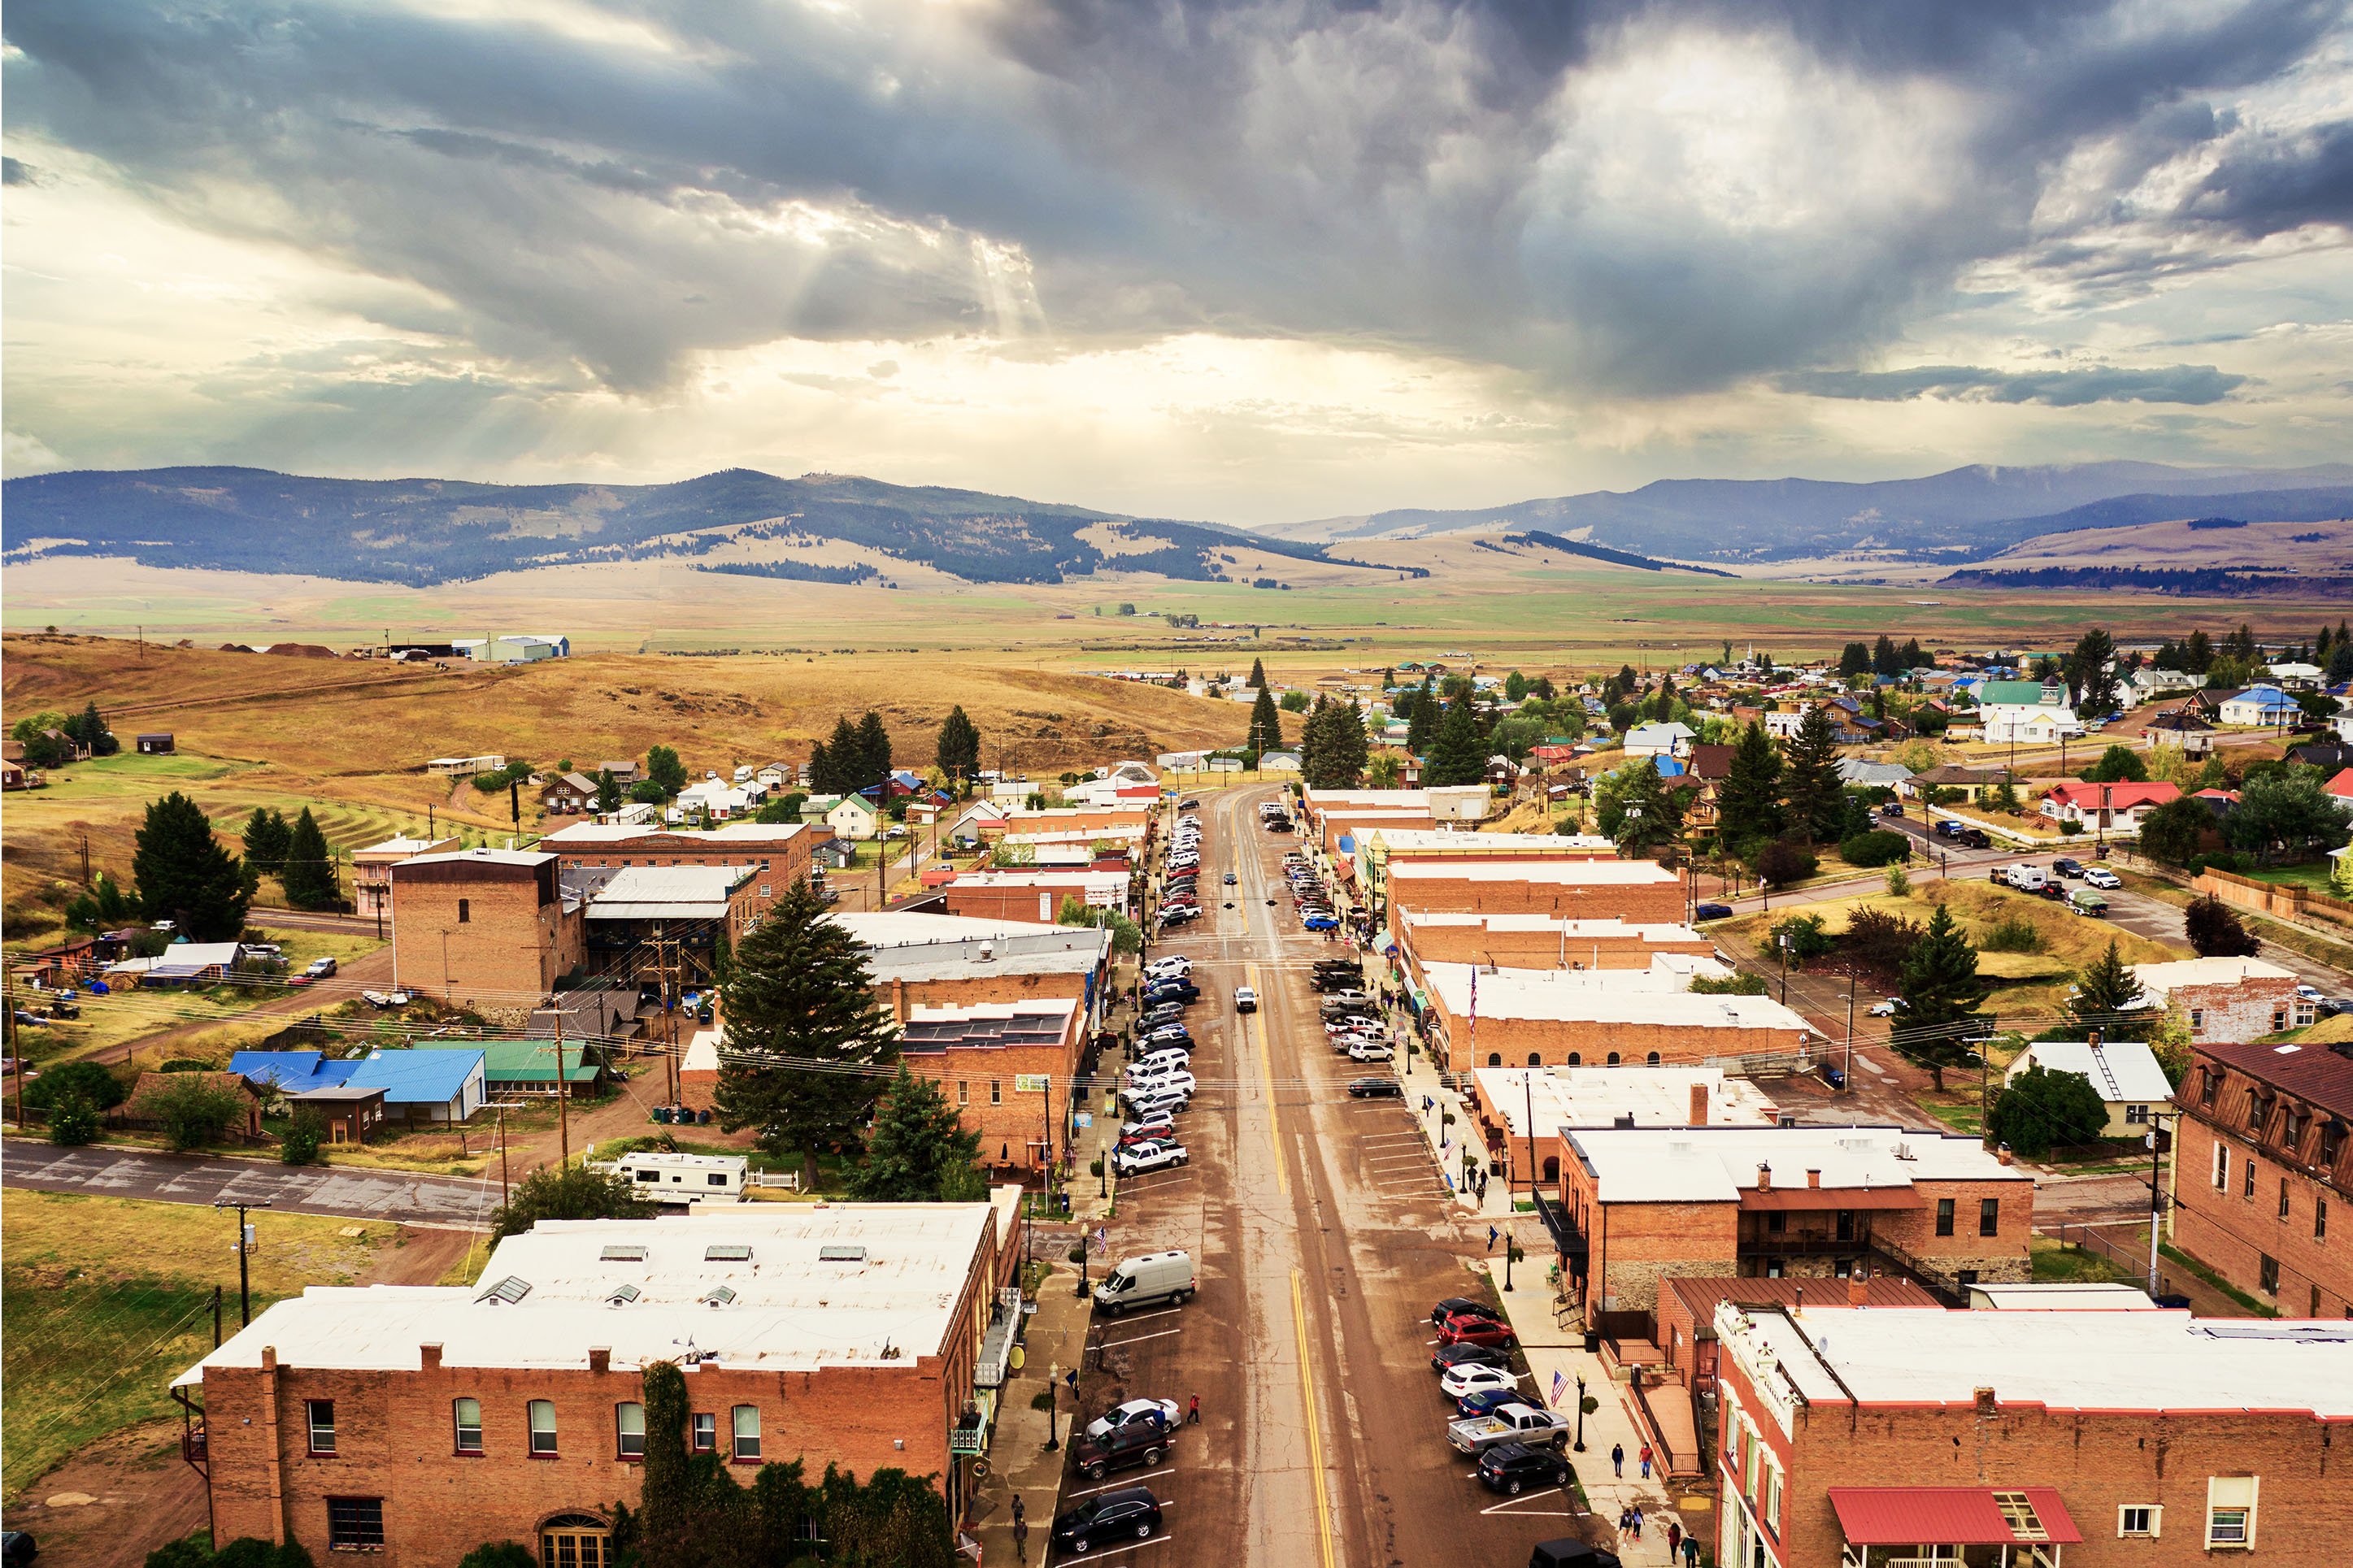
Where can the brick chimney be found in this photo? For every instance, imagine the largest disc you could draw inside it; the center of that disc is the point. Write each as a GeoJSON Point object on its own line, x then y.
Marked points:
{"type": "Point", "coordinates": [1813, 1175]}
{"type": "Point", "coordinates": [1985, 1400]}
{"type": "Point", "coordinates": [2093, 1036]}
{"type": "Point", "coordinates": [428, 1358]}
{"type": "Point", "coordinates": [600, 1358]}
{"type": "Point", "coordinates": [899, 1001]}
{"type": "Point", "coordinates": [1699, 1105]}
{"type": "Point", "coordinates": [1763, 1177]}
{"type": "Point", "coordinates": [1858, 1288]}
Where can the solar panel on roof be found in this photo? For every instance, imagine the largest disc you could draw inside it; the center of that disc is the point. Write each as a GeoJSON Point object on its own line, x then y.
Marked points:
{"type": "Point", "coordinates": [842, 1254]}
{"type": "Point", "coordinates": [622, 1255]}
{"type": "Point", "coordinates": [727, 1252]}
{"type": "Point", "coordinates": [718, 1296]}
{"type": "Point", "coordinates": [510, 1289]}
{"type": "Point", "coordinates": [622, 1296]}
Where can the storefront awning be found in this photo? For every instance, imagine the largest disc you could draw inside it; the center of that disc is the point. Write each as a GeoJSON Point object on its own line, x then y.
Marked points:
{"type": "Point", "coordinates": [1953, 1516]}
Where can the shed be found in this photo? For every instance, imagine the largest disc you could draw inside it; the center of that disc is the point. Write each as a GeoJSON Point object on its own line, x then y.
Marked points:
{"type": "Point", "coordinates": [350, 1110]}
{"type": "Point", "coordinates": [156, 743]}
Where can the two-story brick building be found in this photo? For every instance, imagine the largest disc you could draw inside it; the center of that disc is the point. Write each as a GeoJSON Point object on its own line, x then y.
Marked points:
{"type": "Point", "coordinates": [1006, 1067]}
{"type": "Point", "coordinates": [1517, 1113]}
{"type": "Point", "coordinates": [1866, 1438]}
{"type": "Point", "coordinates": [372, 870]}
{"type": "Point", "coordinates": [1636, 890]}
{"type": "Point", "coordinates": [2263, 1172]}
{"type": "Point", "coordinates": [489, 929]}
{"type": "Point", "coordinates": [2225, 999]}
{"type": "Point", "coordinates": [414, 1423]}
{"type": "Point", "coordinates": [1422, 937]}
{"type": "Point", "coordinates": [1597, 1017]}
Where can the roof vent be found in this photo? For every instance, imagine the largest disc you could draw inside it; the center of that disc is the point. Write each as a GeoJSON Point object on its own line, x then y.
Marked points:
{"type": "Point", "coordinates": [727, 1252]}
{"type": "Point", "coordinates": [1903, 1152]}
{"type": "Point", "coordinates": [622, 1295]}
{"type": "Point", "coordinates": [718, 1296]}
{"type": "Point", "coordinates": [842, 1254]}
{"type": "Point", "coordinates": [509, 1290]}
{"type": "Point", "coordinates": [622, 1255]}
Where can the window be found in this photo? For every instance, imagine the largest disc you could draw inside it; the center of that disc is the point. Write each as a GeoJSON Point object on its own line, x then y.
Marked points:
{"type": "Point", "coordinates": [1654, 1058]}
{"type": "Point", "coordinates": [705, 1428]}
{"type": "Point", "coordinates": [2282, 1213]}
{"type": "Point", "coordinates": [2279, 1019]}
{"type": "Point", "coordinates": [1535, 1059]}
{"type": "Point", "coordinates": [2209, 1082]}
{"type": "Point", "coordinates": [747, 1432]}
{"type": "Point", "coordinates": [2319, 1219]}
{"type": "Point", "coordinates": [2138, 1519]}
{"type": "Point", "coordinates": [1989, 1216]}
{"type": "Point", "coordinates": [2198, 1020]}
{"type": "Point", "coordinates": [2248, 1165]}
{"type": "Point", "coordinates": [716, 1179]}
{"type": "Point", "coordinates": [575, 1541]}
{"type": "Point", "coordinates": [1775, 1223]}
{"type": "Point", "coordinates": [465, 911]}
{"type": "Point", "coordinates": [319, 1415]}
{"type": "Point", "coordinates": [466, 1421]}
{"type": "Point", "coordinates": [1577, 1058]}
{"type": "Point", "coordinates": [543, 1427]}
{"type": "Point", "coordinates": [964, 1091]}
{"type": "Point", "coordinates": [356, 1523]}
{"type": "Point", "coordinates": [1773, 1498]}
{"type": "Point", "coordinates": [2268, 1273]}
{"type": "Point", "coordinates": [629, 1428]}
{"type": "Point", "coordinates": [2231, 1510]}
{"type": "Point", "coordinates": [2221, 1169]}
{"type": "Point", "coordinates": [1943, 1217]}
{"type": "Point", "coordinates": [2136, 1114]}
{"type": "Point", "coordinates": [996, 1091]}
{"type": "Point", "coordinates": [1613, 1058]}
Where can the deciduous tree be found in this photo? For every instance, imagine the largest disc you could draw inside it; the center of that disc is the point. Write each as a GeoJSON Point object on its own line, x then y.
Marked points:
{"type": "Point", "coordinates": [566, 1192]}
{"type": "Point", "coordinates": [664, 770]}
{"type": "Point", "coordinates": [2215, 930]}
{"type": "Point", "coordinates": [2040, 1111]}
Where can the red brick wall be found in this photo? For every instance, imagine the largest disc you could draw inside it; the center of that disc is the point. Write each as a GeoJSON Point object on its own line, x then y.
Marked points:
{"type": "Point", "coordinates": [1511, 1041]}
{"type": "Point", "coordinates": [788, 859]}
{"type": "Point", "coordinates": [2233, 1232]}
{"type": "Point", "coordinates": [1533, 949]}
{"type": "Point", "coordinates": [1035, 903]}
{"type": "Point", "coordinates": [1662, 902]}
{"type": "Point", "coordinates": [515, 942]}
{"type": "Point", "coordinates": [2236, 1013]}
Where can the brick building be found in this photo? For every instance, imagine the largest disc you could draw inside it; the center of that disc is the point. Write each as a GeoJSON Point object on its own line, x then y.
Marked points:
{"type": "Point", "coordinates": [1006, 1067]}
{"type": "Point", "coordinates": [414, 1423]}
{"type": "Point", "coordinates": [1596, 1017]}
{"type": "Point", "coordinates": [780, 853]}
{"type": "Point", "coordinates": [2263, 1172]}
{"type": "Point", "coordinates": [1641, 1204]}
{"type": "Point", "coordinates": [1364, 866]}
{"type": "Point", "coordinates": [1510, 1106]}
{"type": "Point", "coordinates": [916, 960]}
{"type": "Point", "coordinates": [2068, 1439]}
{"type": "Point", "coordinates": [490, 928]}
{"type": "Point", "coordinates": [1032, 895]}
{"type": "Point", "coordinates": [644, 921]}
{"type": "Point", "coordinates": [2225, 999]}
{"type": "Point", "coordinates": [1535, 941]}
{"type": "Point", "coordinates": [372, 870]}
{"type": "Point", "coordinates": [1636, 890]}
{"type": "Point", "coordinates": [1687, 1304]}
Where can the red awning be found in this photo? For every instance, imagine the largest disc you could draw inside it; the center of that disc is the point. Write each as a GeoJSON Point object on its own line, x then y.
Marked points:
{"type": "Point", "coordinates": [1950, 1516]}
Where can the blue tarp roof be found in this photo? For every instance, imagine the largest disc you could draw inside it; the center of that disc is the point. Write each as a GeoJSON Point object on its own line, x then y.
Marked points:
{"type": "Point", "coordinates": [415, 1078]}
{"type": "Point", "coordinates": [291, 1072]}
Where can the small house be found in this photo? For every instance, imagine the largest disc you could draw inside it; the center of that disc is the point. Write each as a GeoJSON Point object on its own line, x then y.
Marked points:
{"type": "Point", "coordinates": [141, 1109]}
{"type": "Point", "coordinates": [854, 816]}
{"type": "Point", "coordinates": [2261, 705]}
{"type": "Point", "coordinates": [2107, 807]}
{"type": "Point", "coordinates": [568, 794]}
{"type": "Point", "coordinates": [2126, 1074]}
{"type": "Point", "coordinates": [351, 1113]}
{"type": "Point", "coordinates": [445, 1086]}
{"type": "Point", "coordinates": [156, 743]}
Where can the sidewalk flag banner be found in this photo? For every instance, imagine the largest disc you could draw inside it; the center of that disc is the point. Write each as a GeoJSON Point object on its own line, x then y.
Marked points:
{"type": "Point", "coordinates": [1559, 1390]}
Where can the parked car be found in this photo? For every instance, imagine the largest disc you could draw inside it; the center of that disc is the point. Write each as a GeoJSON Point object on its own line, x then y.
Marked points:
{"type": "Point", "coordinates": [1974, 838]}
{"type": "Point", "coordinates": [1154, 1415]}
{"type": "Point", "coordinates": [1888, 1008]}
{"type": "Point", "coordinates": [1171, 991]}
{"type": "Point", "coordinates": [1456, 1381]}
{"type": "Point", "coordinates": [2100, 877]}
{"type": "Point", "coordinates": [1142, 1157]}
{"type": "Point", "coordinates": [1487, 1401]}
{"type": "Point", "coordinates": [1467, 1354]}
{"type": "Point", "coordinates": [1245, 999]}
{"type": "Point", "coordinates": [1477, 1331]}
{"type": "Point", "coordinates": [1892, 808]}
{"type": "Point", "coordinates": [1713, 912]}
{"type": "Point", "coordinates": [2066, 868]}
{"type": "Point", "coordinates": [1463, 1307]}
{"type": "Point", "coordinates": [1146, 1280]}
{"type": "Point", "coordinates": [1370, 1051]}
{"type": "Point", "coordinates": [1514, 1468]}
{"type": "Point", "coordinates": [1320, 922]}
{"type": "Point", "coordinates": [1376, 1088]}
{"type": "Point", "coordinates": [1130, 1513]}
{"type": "Point", "coordinates": [1121, 1448]}
{"type": "Point", "coordinates": [1522, 1424]}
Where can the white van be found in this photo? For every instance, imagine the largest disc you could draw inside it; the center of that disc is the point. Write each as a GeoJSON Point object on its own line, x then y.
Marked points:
{"type": "Point", "coordinates": [1147, 1281]}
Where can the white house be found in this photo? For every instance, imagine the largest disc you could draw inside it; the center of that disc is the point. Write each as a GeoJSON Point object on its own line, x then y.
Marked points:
{"type": "Point", "coordinates": [2124, 1072]}
{"type": "Point", "coordinates": [2343, 723]}
{"type": "Point", "coordinates": [1667, 739]}
{"type": "Point", "coordinates": [2260, 705]}
{"type": "Point", "coordinates": [2025, 710]}
{"type": "Point", "coordinates": [718, 800]}
{"type": "Point", "coordinates": [1278, 761]}
{"type": "Point", "coordinates": [854, 816]}
{"type": "Point", "coordinates": [2296, 677]}
{"type": "Point", "coordinates": [1783, 724]}
{"type": "Point", "coordinates": [1127, 783]}
{"type": "Point", "coordinates": [2148, 680]}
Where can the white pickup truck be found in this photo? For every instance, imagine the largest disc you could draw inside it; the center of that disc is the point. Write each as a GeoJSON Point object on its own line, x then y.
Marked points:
{"type": "Point", "coordinates": [1511, 1424]}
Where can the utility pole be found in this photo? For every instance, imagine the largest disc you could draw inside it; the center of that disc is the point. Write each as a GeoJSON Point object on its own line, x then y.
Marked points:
{"type": "Point", "coordinates": [2156, 1195]}
{"type": "Point", "coordinates": [85, 859]}
{"type": "Point", "coordinates": [1850, 1030]}
{"type": "Point", "coordinates": [562, 1093]}
{"type": "Point", "coordinates": [501, 1110]}
{"type": "Point", "coordinates": [244, 1255]}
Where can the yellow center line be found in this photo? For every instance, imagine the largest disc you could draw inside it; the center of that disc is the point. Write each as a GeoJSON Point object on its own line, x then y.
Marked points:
{"type": "Point", "coordinates": [1314, 1430]}
{"type": "Point", "coordinates": [1257, 1027]}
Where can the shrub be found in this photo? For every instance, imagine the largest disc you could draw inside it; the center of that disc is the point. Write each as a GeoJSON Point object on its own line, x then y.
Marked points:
{"type": "Point", "coordinates": [1784, 861]}
{"type": "Point", "coordinates": [2012, 933]}
{"type": "Point", "coordinates": [194, 1112]}
{"type": "Point", "coordinates": [1739, 982]}
{"type": "Point", "coordinates": [1899, 886]}
{"type": "Point", "coordinates": [303, 1137]}
{"type": "Point", "coordinates": [1878, 941]}
{"type": "Point", "coordinates": [499, 1554]}
{"type": "Point", "coordinates": [1880, 846]}
{"type": "Point", "coordinates": [83, 1081]}
{"type": "Point", "coordinates": [73, 1122]}
{"type": "Point", "coordinates": [1804, 937]}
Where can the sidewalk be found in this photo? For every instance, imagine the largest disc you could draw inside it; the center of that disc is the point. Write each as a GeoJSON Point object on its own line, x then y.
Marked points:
{"type": "Point", "coordinates": [1019, 1463]}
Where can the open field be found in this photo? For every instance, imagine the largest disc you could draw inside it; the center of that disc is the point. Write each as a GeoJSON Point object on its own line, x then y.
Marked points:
{"type": "Point", "coordinates": [106, 1299]}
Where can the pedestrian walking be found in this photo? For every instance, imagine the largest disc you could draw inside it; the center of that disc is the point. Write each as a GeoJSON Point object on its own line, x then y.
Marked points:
{"type": "Point", "coordinates": [1646, 1461]}
{"type": "Point", "coordinates": [1691, 1552]}
{"type": "Point", "coordinates": [1617, 1459]}
{"type": "Point", "coordinates": [1625, 1521]}
{"type": "Point", "coordinates": [1674, 1541]}
{"type": "Point", "coordinates": [1021, 1539]}
{"type": "Point", "coordinates": [1019, 1509]}
{"type": "Point", "coordinates": [1638, 1521]}
{"type": "Point", "coordinates": [1193, 1412]}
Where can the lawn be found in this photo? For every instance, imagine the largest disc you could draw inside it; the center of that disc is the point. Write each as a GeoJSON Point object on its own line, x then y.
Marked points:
{"type": "Point", "coordinates": [2056, 1263]}
{"type": "Point", "coordinates": [2313, 874]}
{"type": "Point", "coordinates": [106, 1300]}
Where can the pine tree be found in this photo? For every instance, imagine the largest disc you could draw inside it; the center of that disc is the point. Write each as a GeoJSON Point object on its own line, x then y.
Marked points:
{"type": "Point", "coordinates": [1421, 724]}
{"type": "Point", "coordinates": [608, 790]}
{"type": "Point", "coordinates": [804, 1033]}
{"type": "Point", "coordinates": [845, 760]}
{"type": "Point", "coordinates": [823, 776]}
{"type": "Point", "coordinates": [2198, 652]}
{"type": "Point", "coordinates": [184, 876]}
{"type": "Point", "coordinates": [917, 1151]}
{"type": "Point", "coordinates": [959, 747]}
{"type": "Point", "coordinates": [1457, 756]}
{"type": "Point", "coordinates": [90, 729]}
{"type": "Point", "coordinates": [2091, 681]}
{"type": "Point", "coordinates": [1265, 724]}
{"type": "Point", "coordinates": [309, 873]}
{"type": "Point", "coordinates": [267, 836]}
{"type": "Point", "coordinates": [1941, 992]}
{"type": "Point", "coordinates": [1809, 779]}
{"type": "Point", "coordinates": [873, 749]}
{"type": "Point", "coordinates": [1350, 750]}
{"type": "Point", "coordinates": [2106, 993]}
{"type": "Point", "coordinates": [1885, 658]}
{"type": "Point", "coordinates": [1258, 673]}
{"type": "Point", "coordinates": [1854, 660]}
{"type": "Point", "coordinates": [1749, 802]}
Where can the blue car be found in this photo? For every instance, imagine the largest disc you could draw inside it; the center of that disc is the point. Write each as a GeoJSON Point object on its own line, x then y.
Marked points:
{"type": "Point", "coordinates": [1487, 1401]}
{"type": "Point", "coordinates": [1320, 922]}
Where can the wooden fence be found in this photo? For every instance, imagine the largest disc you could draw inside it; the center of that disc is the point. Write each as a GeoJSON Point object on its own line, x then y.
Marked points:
{"type": "Point", "coordinates": [2283, 901]}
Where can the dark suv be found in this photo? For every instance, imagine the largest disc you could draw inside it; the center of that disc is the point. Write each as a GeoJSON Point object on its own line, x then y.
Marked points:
{"type": "Point", "coordinates": [1131, 1514]}
{"type": "Point", "coordinates": [1514, 1468]}
{"type": "Point", "coordinates": [1143, 1443]}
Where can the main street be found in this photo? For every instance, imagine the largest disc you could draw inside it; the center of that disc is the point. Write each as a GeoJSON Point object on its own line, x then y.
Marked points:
{"type": "Point", "coordinates": [1324, 1233]}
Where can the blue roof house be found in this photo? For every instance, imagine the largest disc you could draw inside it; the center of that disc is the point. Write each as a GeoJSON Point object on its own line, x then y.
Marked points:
{"type": "Point", "coordinates": [289, 1072]}
{"type": "Point", "coordinates": [425, 1086]}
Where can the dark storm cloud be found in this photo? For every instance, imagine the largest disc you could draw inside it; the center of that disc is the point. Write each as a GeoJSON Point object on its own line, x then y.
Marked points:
{"type": "Point", "coordinates": [13, 173]}
{"type": "Point", "coordinates": [1418, 173]}
{"type": "Point", "coordinates": [2192, 384]}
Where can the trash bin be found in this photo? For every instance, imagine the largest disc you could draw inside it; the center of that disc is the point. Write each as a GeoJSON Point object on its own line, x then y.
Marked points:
{"type": "Point", "coordinates": [1592, 1342]}
{"type": "Point", "coordinates": [661, 1114]}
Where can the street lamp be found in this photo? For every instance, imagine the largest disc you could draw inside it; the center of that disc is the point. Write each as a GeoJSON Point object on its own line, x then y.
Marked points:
{"type": "Point", "coordinates": [1580, 1414]}
{"type": "Point", "coordinates": [1053, 1376]}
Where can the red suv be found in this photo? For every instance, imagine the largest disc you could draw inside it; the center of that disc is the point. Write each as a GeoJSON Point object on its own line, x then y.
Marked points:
{"type": "Point", "coordinates": [1472, 1331]}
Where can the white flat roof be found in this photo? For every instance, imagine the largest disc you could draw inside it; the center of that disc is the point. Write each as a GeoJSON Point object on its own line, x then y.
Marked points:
{"type": "Point", "coordinates": [1046, 877]}
{"type": "Point", "coordinates": [622, 832]}
{"type": "Point", "coordinates": [964, 1012]}
{"type": "Point", "coordinates": [793, 1308]}
{"type": "Point", "coordinates": [1405, 799]}
{"type": "Point", "coordinates": [1579, 873]}
{"type": "Point", "coordinates": [1716, 1164]}
{"type": "Point", "coordinates": [402, 845]}
{"type": "Point", "coordinates": [2159, 978]}
{"type": "Point", "coordinates": [1553, 925]}
{"type": "Point", "coordinates": [491, 857]}
{"type": "Point", "coordinates": [701, 1052]}
{"type": "Point", "coordinates": [1599, 1096]}
{"type": "Point", "coordinates": [645, 892]}
{"type": "Point", "coordinates": [2081, 1296]}
{"type": "Point", "coordinates": [1657, 994]}
{"type": "Point", "coordinates": [2108, 1361]}
{"type": "Point", "coordinates": [1534, 845]}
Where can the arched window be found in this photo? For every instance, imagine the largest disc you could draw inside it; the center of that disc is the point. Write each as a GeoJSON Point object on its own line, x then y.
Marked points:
{"type": "Point", "coordinates": [575, 1541]}
{"type": "Point", "coordinates": [1535, 1059]}
{"type": "Point", "coordinates": [1552, 1169]}
{"type": "Point", "coordinates": [1577, 1058]}
{"type": "Point", "coordinates": [1494, 1058]}
{"type": "Point", "coordinates": [1613, 1058]}
{"type": "Point", "coordinates": [1654, 1058]}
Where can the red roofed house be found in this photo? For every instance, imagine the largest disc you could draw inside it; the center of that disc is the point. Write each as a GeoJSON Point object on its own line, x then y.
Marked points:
{"type": "Point", "coordinates": [2341, 786]}
{"type": "Point", "coordinates": [2106, 806]}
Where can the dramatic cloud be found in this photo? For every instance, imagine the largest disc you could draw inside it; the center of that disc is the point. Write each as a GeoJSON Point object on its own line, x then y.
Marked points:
{"type": "Point", "coordinates": [1654, 236]}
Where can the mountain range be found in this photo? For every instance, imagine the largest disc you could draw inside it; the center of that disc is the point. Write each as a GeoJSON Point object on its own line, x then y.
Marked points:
{"type": "Point", "coordinates": [835, 528]}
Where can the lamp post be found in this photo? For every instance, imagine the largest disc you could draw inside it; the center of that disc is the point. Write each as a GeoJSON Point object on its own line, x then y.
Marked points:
{"type": "Point", "coordinates": [1581, 1414]}
{"type": "Point", "coordinates": [1784, 944]}
{"type": "Point", "coordinates": [1053, 1377]}
{"type": "Point", "coordinates": [244, 1255]}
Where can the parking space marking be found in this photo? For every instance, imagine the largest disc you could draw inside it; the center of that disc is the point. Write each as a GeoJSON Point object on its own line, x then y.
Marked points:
{"type": "Point", "coordinates": [1115, 1344]}
{"type": "Point", "coordinates": [1101, 1552]}
{"type": "Point", "coordinates": [1132, 1481]}
{"type": "Point", "coordinates": [1512, 1505]}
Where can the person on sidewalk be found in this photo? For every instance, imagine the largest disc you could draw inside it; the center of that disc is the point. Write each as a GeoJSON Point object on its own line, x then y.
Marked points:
{"type": "Point", "coordinates": [1637, 1512]}
{"type": "Point", "coordinates": [1193, 1412]}
{"type": "Point", "coordinates": [1021, 1540]}
{"type": "Point", "coordinates": [1020, 1512]}
{"type": "Point", "coordinates": [1617, 1459]}
{"type": "Point", "coordinates": [1646, 1461]}
{"type": "Point", "coordinates": [1691, 1552]}
{"type": "Point", "coordinates": [1626, 1523]}
{"type": "Point", "coordinates": [1674, 1541]}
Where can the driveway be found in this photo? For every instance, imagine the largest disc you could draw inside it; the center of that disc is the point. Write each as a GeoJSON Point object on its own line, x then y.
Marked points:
{"type": "Point", "coordinates": [440, 1201]}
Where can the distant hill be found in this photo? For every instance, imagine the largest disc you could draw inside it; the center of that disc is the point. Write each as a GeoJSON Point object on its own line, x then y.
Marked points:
{"type": "Point", "coordinates": [1957, 515]}
{"type": "Point", "coordinates": [424, 531]}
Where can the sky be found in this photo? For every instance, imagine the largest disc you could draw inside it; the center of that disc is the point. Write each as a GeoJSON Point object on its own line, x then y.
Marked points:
{"type": "Point", "coordinates": [1210, 258]}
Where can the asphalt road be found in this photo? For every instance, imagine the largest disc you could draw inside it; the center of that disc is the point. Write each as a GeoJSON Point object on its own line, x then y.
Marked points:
{"type": "Point", "coordinates": [440, 1201]}
{"type": "Point", "coordinates": [1324, 1235]}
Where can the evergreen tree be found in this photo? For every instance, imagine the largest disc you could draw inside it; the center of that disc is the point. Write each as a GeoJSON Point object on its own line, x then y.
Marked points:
{"type": "Point", "coordinates": [664, 770]}
{"type": "Point", "coordinates": [1422, 722]}
{"type": "Point", "coordinates": [1544, 689]}
{"type": "Point", "coordinates": [309, 874]}
{"type": "Point", "coordinates": [88, 727]}
{"type": "Point", "coordinates": [1854, 660]}
{"type": "Point", "coordinates": [2198, 652]}
{"type": "Point", "coordinates": [1749, 802]}
{"type": "Point", "coordinates": [959, 747]}
{"type": "Point", "coordinates": [2106, 995]}
{"type": "Point", "coordinates": [608, 790]}
{"type": "Point", "coordinates": [267, 836]}
{"type": "Point", "coordinates": [2091, 676]}
{"type": "Point", "coordinates": [1258, 673]}
{"type": "Point", "coordinates": [1641, 814]}
{"type": "Point", "coordinates": [1914, 657]}
{"type": "Point", "coordinates": [1457, 755]}
{"type": "Point", "coordinates": [184, 876]}
{"type": "Point", "coordinates": [1885, 658]}
{"type": "Point", "coordinates": [804, 1033]}
{"type": "Point", "coordinates": [1941, 992]}
{"type": "Point", "coordinates": [1809, 779]}
{"type": "Point", "coordinates": [822, 772]}
{"type": "Point", "coordinates": [1265, 724]}
{"type": "Point", "coordinates": [873, 749]}
{"type": "Point", "coordinates": [1350, 750]}
{"type": "Point", "coordinates": [1515, 688]}
{"type": "Point", "coordinates": [844, 762]}
{"type": "Point", "coordinates": [917, 1151]}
